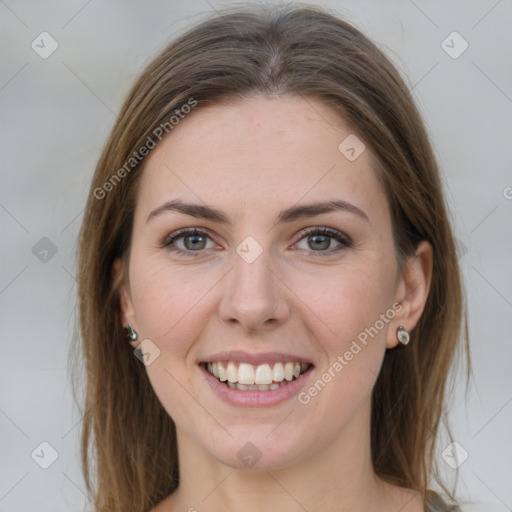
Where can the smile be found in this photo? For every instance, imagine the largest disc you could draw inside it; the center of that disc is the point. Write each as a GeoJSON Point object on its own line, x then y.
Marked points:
{"type": "Point", "coordinates": [262, 377]}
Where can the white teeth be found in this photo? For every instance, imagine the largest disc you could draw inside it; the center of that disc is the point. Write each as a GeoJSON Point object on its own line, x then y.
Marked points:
{"type": "Point", "coordinates": [222, 372]}
{"type": "Point", "coordinates": [231, 372]}
{"type": "Point", "coordinates": [278, 372]}
{"type": "Point", "coordinates": [261, 377]}
{"type": "Point", "coordinates": [246, 373]}
{"type": "Point", "coordinates": [263, 374]}
{"type": "Point", "coordinates": [288, 371]}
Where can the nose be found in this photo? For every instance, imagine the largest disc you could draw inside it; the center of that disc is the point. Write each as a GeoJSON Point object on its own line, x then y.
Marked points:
{"type": "Point", "coordinates": [254, 296]}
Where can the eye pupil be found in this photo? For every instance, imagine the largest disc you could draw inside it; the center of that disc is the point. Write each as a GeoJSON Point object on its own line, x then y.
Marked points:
{"type": "Point", "coordinates": [194, 245]}
{"type": "Point", "coordinates": [321, 238]}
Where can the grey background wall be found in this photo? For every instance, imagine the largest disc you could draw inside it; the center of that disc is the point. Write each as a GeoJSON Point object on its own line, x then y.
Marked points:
{"type": "Point", "coordinates": [56, 110]}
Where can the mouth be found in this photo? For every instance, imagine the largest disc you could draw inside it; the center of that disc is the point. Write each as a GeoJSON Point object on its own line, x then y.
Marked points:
{"type": "Point", "coordinates": [262, 377]}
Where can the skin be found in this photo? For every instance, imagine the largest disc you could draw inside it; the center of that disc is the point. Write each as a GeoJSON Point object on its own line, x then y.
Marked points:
{"type": "Point", "coordinates": [251, 159]}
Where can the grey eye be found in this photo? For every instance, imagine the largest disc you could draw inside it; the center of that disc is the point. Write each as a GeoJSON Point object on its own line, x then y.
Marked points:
{"type": "Point", "coordinates": [194, 242]}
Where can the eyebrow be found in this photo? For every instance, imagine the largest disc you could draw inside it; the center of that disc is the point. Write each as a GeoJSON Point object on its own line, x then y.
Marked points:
{"type": "Point", "coordinates": [288, 215]}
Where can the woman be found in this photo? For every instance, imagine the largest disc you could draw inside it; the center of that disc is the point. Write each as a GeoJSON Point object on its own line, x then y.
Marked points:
{"type": "Point", "coordinates": [266, 232]}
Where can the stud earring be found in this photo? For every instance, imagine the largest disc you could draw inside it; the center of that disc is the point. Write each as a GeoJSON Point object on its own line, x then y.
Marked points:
{"type": "Point", "coordinates": [130, 333]}
{"type": "Point", "coordinates": [403, 335]}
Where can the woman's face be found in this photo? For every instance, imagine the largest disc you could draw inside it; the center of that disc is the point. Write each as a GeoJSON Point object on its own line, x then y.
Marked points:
{"type": "Point", "coordinates": [253, 289]}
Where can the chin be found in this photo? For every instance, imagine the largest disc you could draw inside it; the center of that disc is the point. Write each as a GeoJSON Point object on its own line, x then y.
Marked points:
{"type": "Point", "coordinates": [252, 447]}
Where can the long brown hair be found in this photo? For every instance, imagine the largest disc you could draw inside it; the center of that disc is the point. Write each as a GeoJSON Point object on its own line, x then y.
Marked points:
{"type": "Point", "coordinates": [129, 451]}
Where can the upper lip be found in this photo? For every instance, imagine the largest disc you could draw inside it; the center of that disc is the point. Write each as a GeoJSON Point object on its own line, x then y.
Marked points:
{"type": "Point", "coordinates": [238, 356]}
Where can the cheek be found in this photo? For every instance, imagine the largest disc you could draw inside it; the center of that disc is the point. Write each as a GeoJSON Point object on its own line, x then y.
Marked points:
{"type": "Point", "coordinates": [347, 299]}
{"type": "Point", "coordinates": [170, 304]}
{"type": "Point", "coordinates": [349, 308]}
{"type": "Point", "coordinates": [170, 311]}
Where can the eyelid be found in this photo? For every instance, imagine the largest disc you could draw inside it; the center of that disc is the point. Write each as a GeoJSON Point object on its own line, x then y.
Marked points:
{"type": "Point", "coordinates": [181, 233]}
{"type": "Point", "coordinates": [334, 233]}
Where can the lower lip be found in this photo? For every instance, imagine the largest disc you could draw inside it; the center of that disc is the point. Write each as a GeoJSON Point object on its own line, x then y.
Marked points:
{"type": "Point", "coordinates": [256, 398]}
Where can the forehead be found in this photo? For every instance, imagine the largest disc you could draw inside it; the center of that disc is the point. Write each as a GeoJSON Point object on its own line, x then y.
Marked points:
{"type": "Point", "coordinates": [257, 154]}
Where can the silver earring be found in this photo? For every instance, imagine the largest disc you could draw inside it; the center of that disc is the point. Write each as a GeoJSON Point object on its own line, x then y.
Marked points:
{"type": "Point", "coordinates": [130, 333]}
{"type": "Point", "coordinates": [403, 335]}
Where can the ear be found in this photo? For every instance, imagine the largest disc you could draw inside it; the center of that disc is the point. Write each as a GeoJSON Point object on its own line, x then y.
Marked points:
{"type": "Point", "coordinates": [127, 311]}
{"type": "Point", "coordinates": [412, 290]}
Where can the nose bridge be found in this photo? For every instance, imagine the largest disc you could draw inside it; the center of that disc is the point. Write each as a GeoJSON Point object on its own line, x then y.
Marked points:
{"type": "Point", "coordinates": [253, 296]}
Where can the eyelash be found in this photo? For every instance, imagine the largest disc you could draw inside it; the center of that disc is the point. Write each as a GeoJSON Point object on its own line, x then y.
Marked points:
{"type": "Point", "coordinates": [344, 241]}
